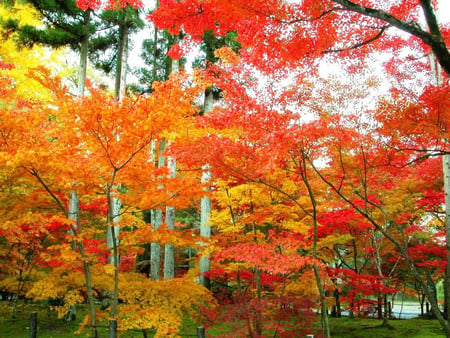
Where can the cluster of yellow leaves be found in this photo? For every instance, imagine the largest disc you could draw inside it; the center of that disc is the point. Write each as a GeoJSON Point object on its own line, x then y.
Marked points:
{"type": "Point", "coordinates": [24, 59]}
{"type": "Point", "coordinates": [12, 283]}
{"type": "Point", "coordinates": [255, 203]}
{"type": "Point", "coordinates": [60, 284]}
{"type": "Point", "coordinates": [326, 246]}
{"type": "Point", "coordinates": [304, 286]}
{"type": "Point", "coordinates": [159, 305]}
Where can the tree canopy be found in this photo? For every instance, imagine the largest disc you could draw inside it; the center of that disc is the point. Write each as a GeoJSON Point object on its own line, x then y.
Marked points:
{"type": "Point", "coordinates": [321, 154]}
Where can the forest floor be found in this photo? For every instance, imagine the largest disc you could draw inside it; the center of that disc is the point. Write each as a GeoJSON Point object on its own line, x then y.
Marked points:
{"type": "Point", "coordinates": [51, 327]}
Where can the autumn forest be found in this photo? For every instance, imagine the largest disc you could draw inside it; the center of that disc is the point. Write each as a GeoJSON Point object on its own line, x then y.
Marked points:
{"type": "Point", "coordinates": [257, 166]}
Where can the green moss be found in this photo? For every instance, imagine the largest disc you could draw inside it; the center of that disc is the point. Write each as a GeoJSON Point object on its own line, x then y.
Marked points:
{"type": "Point", "coordinates": [51, 327]}
{"type": "Point", "coordinates": [356, 327]}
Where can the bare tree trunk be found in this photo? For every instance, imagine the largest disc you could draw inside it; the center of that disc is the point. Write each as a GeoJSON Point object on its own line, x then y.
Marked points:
{"type": "Point", "coordinates": [169, 250]}
{"type": "Point", "coordinates": [323, 304]}
{"type": "Point", "coordinates": [73, 214]}
{"type": "Point", "coordinates": [112, 241]}
{"type": "Point", "coordinates": [446, 167]}
{"type": "Point", "coordinates": [114, 218]}
{"type": "Point", "coordinates": [82, 70]}
{"type": "Point", "coordinates": [205, 231]}
{"type": "Point", "coordinates": [122, 61]}
{"type": "Point", "coordinates": [156, 219]}
{"type": "Point", "coordinates": [205, 204]}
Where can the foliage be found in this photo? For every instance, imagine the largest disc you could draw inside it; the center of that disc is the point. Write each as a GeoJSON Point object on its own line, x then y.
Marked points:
{"type": "Point", "coordinates": [315, 204]}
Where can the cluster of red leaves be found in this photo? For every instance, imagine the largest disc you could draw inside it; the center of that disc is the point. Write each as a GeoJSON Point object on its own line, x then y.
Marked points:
{"type": "Point", "coordinates": [224, 277]}
{"type": "Point", "coordinates": [88, 4]}
{"type": "Point", "coordinates": [111, 4]}
{"type": "Point", "coordinates": [315, 28]}
{"type": "Point", "coordinates": [39, 239]}
{"type": "Point", "coordinates": [97, 247]}
{"type": "Point", "coordinates": [284, 316]}
{"type": "Point", "coordinates": [175, 52]}
{"type": "Point", "coordinates": [127, 263]}
{"type": "Point", "coordinates": [358, 288]}
{"type": "Point", "coordinates": [431, 200]}
{"type": "Point", "coordinates": [5, 65]}
{"type": "Point", "coordinates": [341, 221]}
{"type": "Point", "coordinates": [420, 124]}
{"type": "Point", "coordinates": [265, 257]}
{"type": "Point", "coordinates": [429, 255]}
{"type": "Point", "coordinates": [96, 207]}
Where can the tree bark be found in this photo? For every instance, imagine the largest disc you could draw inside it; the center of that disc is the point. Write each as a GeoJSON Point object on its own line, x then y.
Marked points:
{"type": "Point", "coordinates": [205, 203]}
{"type": "Point", "coordinates": [434, 38]}
{"type": "Point", "coordinates": [446, 168]}
{"type": "Point", "coordinates": [156, 219]}
{"type": "Point", "coordinates": [82, 70]}
{"type": "Point", "coordinates": [122, 60]}
{"type": "Point", "coordinates": [112, 242]}
{"type": "Point", "coordinates": [169, 250]}
{"type": "Point", "coordinates": [324, 314]}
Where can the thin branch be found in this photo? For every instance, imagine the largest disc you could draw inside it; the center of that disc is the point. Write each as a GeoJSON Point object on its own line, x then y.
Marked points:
{"type": "Point", "coordinates": [361, 44]}
{"type": "Point", "coordinates": [434, 39]}
{"type": "Point", "coordinates": [46, 187]}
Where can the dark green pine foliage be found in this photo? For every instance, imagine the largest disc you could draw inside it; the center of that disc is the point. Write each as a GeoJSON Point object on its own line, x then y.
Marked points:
{"type": "Point", "coordinates": [210, 43]}
{"type": "Point", "coordinates": [104, 47]}
{"type": "Point", "coordinates": [156, 64]}
{"type": "Point", "coordinates": [66, 25]}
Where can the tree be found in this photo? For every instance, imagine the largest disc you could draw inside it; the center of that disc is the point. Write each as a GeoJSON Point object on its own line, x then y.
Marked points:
{"type": "Point", "coordinates": [67, 25]}
{"type": "Point", "coordinates": [352, 32]}
{"type": "Point", "coordinates": [20, 60]}
{"type": "Point", "coordinates": [25, 242]}
{"type": "Point", "coordinates": [333, 26]}
{"type": "Point", "coordinates": [118, 25]}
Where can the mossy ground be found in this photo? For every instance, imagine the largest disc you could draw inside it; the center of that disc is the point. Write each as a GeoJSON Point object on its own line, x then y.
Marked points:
{"type": "Point", "coordinates": [51, 327]}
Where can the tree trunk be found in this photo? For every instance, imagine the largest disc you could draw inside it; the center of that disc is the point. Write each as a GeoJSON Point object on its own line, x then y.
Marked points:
{"type": "Point", "coordinates": [432, 291]}
{"type": "Point", "coordinates": [33, 325]}
{"type": "Point", "coordinates": [169, 250]}
{"type": "Point", "coordinates": [73, 214]}
{"type": "Point", "coordinates": [446, 167]}
{"type": "Point", "coordinates": [114, 218]}
{"type": "Point", "coordinates": [323, 304]}
{"type": "Point", "coordinates": [122, 60]}
{"type": "Point", "coordinates": [82, 70]}
{"type": "Point", "coordinates": [155, 248]}
{"type": "Point", "coordinates": [205, 204]}
{"type": "Point", "coordinates": [156, 217]}
{"type": "Point", "coordinates": [175, 64]}
{"type": "Point", "coordinates": [337, 297]}
{"type": "Point", "coordinates": [258, 315]}
{"type": "Point", "coordinates": [112, 234]}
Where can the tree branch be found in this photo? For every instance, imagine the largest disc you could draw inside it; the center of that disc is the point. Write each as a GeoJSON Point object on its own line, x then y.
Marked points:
{"type": "Point", "coordinates": [433, 39]}
{"type": "Point", "coordinates": [46, 187]}
{"type": "Point", "coordinates": [358, 45]}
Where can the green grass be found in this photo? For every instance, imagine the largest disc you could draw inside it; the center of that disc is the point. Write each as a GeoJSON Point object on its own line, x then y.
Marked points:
{"type": "Point", "coordinates": [51, 327]}
{"type": "Point", "coordinates": [371, 328]}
